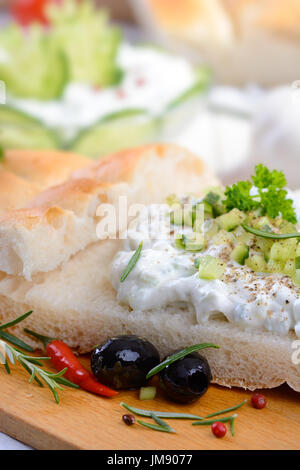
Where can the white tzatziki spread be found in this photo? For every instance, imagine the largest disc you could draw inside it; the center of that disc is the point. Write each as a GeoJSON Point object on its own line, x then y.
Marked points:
{"type": "Point", "coordinates": [152, 79]}
{"type": "Point", "coordinates": [165, 275]}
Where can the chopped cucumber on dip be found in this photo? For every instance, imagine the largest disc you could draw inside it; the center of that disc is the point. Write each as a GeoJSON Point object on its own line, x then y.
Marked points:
{"type": "Point", "coordinates": [245, 266]}
{"type": "Point", "coordinates": [94, 92]}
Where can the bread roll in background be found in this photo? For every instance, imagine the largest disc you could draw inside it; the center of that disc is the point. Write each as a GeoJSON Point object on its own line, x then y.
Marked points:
{"type": "Point", "coordinates": [243, 40]}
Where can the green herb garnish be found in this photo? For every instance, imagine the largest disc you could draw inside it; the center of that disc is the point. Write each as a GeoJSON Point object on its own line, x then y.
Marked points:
{"type": "Point", "coordinates": [175, 357]}
{"type": "Point", "coordinates": [132, 262]}
{"type": "Point", "coordinates": [160, 414]}
{"type": "Point", "coordinates": [207, 422]}
{"type": "Point", "coordinates": [227, 410]}
{"type": "Point", "coordinates": [272, 235]}
{"type": "Point", "coordinates": [271, 198]}
{"type": "Point", "coordinates": [32, 364]}
{"type": "Point", "coordinates": [155, 427]}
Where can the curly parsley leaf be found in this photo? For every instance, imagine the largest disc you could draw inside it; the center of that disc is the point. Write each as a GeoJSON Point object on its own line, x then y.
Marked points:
{"type": "Point", "coordinates": [271, 198]}
{"type": "Point", "coordinates": [264, 178]}
{"type": "Point", "coordinates": [238, 196]}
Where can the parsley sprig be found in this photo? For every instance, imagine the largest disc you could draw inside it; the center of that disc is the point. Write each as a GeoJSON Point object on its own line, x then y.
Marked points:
{"type": "Point", "coordinates": [271, 199]}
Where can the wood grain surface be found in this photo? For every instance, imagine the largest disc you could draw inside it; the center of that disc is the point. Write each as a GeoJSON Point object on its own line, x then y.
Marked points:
{"type": "Point", "coordinates": [85, 421]}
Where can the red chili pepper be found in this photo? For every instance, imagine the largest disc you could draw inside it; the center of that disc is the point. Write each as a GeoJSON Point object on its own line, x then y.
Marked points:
{"type": "Point", "coordinates": [63, 357]}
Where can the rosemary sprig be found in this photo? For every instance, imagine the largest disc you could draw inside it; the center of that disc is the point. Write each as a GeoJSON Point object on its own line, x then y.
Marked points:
{"type": "Point", "coordinates": [161, 422]}
{"type": "Point", "coordinates": [15, 341]}
{"type": "Point", "coordinates": [159, 414]}
{"type": "Point", "coordinates": [208, 422]}
{"type": "Point", "coordinates": [31, 364]}
{"type": "Point", "coordinates": [272, 235]}
{"type": "Point", "coordinates": [132, 262]}
{"type": "Point", "coordinates": [11, 338]}
{"type": "Point", "coordinates": [155, 427]}
{"type": "Point", "coordinates": [4, 326]}
{"type": "Point", "coordinates": [53, 380]}
{"type": "Point", "coordinates": [175, 357]}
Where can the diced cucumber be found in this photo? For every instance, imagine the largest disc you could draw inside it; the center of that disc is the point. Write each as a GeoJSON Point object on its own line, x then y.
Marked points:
{"type": "Point", "coordinates": [223, 238]}
{"type": "Point", "coordinates": [214, 199]}
{"type": "Point", "coordinates": [256, 263]}
{"type": "Point", "coordinates": [211, 228]}
{"type": "Point", "coordinates": [27, 137]}
{"type": "Point", "coordinates": [208, 210]}
{"type": "Point", "coordinates": [297, 277]}
{"type": "Point", "coordinates": [240, 253]}
{"type": "Point", "coordinates": [210, 268]}
{"type": "Point", "coordinates": [297, 262]}
{"type": "Point", "coordinates": [147, 393]}
{"type": "Point", "coordinates": [193, 242]}
{"type": "Point", "coordinates": [117, 131]}
{"type": "Point", "coordinates": [242, 236]}
{"type": "Point", "coordinates": [289, 268]}
{"type": "Point", "coordinates": [275, 266]}
{"type": "Point", "coordinates": [231, 220]}
{"type": "Point", "coordinates": [283, 250]}
{"type": "Point", "coordinates": [264, 245]}
{"type": "Point", "coordinates": [176, 215]}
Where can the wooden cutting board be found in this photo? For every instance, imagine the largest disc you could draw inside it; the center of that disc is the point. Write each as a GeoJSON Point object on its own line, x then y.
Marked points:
{"type": "Point", "coordinates": [85, 421]}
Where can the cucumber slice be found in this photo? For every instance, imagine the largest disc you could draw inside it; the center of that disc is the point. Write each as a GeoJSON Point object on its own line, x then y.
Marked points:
{"type": "Point", "coordinates": [26, 137]}
{"type": "Point", "coordinates": [88, 41]}
{"type": "Point", "coordinates": [231, 220]}
{"type": "Point", "coordinates": [203, 76]}
{"type": "Point", "coordinates": [240, 253]}
{"type": "Point", "coordinates": [10, 115]}
{"type": "Point", "coordinates": [34, 68]}
{"type": "Point", "coordinates": [19, 130]}
{"type": "Point", "coordinates": [117, 131]}
{"type": "Point", "coordinates": [210, 268]}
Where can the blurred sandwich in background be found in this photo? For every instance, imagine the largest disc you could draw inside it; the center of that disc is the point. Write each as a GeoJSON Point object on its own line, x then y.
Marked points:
{"type": "Point", "coordinates": [243, 40]}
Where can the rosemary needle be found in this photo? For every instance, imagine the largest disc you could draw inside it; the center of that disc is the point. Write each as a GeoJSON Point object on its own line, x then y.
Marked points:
{"type": "Point", "coordinates": [175, 357]}
{"type": "Point", "coordinates": [272, 235]}
{"type": "Point", "coordinates": [227, 410]}
{"type": "Point", "coordinates": [161, 422]}
{"type": "Point", "coordinates": [160, 414]}
{"type": "Point", "coordinates": [155, 427]}
{"type": "Point", "coordinates": [207, 422]}
{"type": "Point", "coordinates": [132, 262]}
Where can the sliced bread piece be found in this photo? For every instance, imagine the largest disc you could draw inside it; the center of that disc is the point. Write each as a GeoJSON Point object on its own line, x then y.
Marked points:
{"type": "Point", "coordinates": [77, 304]}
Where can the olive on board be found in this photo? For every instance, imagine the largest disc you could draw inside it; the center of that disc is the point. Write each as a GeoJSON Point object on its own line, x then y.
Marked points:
{"type": "Point", "coordinates": [124, 361]}
{"type": "Point", "coordinates": [185, 380]}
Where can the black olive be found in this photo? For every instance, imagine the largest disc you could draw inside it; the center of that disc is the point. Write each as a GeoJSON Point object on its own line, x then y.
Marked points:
{"type": "Point", "coordinates": [187, 379]}
{"type": "Point", "coordinates": [124, 361]}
